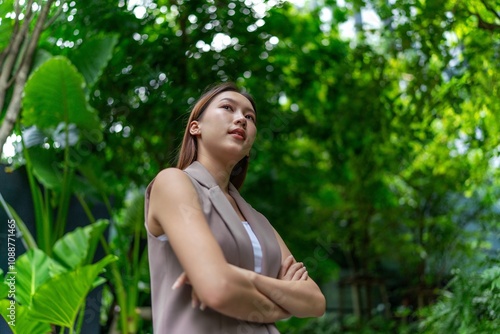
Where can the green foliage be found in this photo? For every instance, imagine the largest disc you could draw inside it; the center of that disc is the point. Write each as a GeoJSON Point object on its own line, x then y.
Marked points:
{"type": "Point", "coordinates": [24, 326]}
{"type": "Point", "coordinates": [47, 305]}
{"type": "Point", "coordinates": [49, 292]}
{"type": "Point", "coordinates": [126, 240]}
{"type": "Point", "coordinates": [470, 304]}
{"type": "Point", "coordinates": [54, 94]}
{"type": "Point", "coordinates": [78, 247]}
{"type": "Point", "coordinates": [7, 23]}
{"type": "Point", "coordinates": [329, 324]}
{"type": "Point", "coordinates": [93, 56]}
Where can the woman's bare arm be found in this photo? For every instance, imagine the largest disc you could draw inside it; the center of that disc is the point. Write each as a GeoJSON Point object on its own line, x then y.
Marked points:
{"type": "Point", "coordinates": [175, 207]}
{"type": "Point", "coordinates": [301, 298]}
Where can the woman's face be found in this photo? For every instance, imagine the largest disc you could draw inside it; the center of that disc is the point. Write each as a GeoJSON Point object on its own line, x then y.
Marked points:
{"type": "Point", "coordinates": [227, 126]}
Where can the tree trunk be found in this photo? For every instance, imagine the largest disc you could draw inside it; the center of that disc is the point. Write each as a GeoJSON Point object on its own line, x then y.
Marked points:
{"type": "Point", "coordinates": [14, 54]}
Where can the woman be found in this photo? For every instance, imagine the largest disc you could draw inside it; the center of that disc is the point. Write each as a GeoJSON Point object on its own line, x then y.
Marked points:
{"type": "Point", "coordinates": [217, 265]}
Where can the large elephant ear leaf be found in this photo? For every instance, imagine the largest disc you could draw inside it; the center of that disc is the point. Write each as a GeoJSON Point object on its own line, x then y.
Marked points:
{"type": "Point", "coordinates": [93, 56]}
{"type": "Point", "coordinates": [22, 324]}
{"type": "Point", "coordinates": [55, 94]}
{"type": "Point", "coordinates": [33, 269]}
{"type": "Point", "coordinates": [77, 248]}
{"type": "Point", "coordinates": [59, 299]}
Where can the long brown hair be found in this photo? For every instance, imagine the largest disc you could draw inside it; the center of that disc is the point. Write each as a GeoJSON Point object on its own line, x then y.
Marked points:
{"type": "Point", "coordinates": [189, 147]}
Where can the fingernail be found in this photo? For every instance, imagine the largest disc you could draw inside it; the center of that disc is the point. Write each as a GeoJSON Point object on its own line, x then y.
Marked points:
{"type": "Point", "coordinates": [175, 285]}
{"type": "Point", "coordinates": [202, 307]}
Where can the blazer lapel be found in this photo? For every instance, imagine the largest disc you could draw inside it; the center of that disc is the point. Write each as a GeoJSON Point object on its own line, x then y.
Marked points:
{"type": "Point", "coordinates": [227, 213]}
{"type": "Point", "coordinates": [257, 225]}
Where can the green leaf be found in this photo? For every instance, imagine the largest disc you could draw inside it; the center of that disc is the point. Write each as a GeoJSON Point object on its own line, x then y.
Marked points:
{"type": "Point", "coordinates": [92, 170]}
{"type": "Point", "coordinates": [133, 215]}
{"type": "Point", "coordinates": [45, 167]}
{"type": "Point", "coordinates": [77, 248]}
{"type": "Point", "coordinates": [7, 25]}
{"type": "Point", "coordinates": [27, 238]}
{"type": "Point", "coordinates": [41, 56]}
{"type": "Point", "coordinates": [23, 323]}
{"type": "Point", "coordinates": [93, 56]}
{"type": "Point", "coordinates": [54, 94]}
{"type": "Point", "coordinates": [33, 269]}
{"type": "Point", "coordinates": [59, 299]}
{"type": "Point", "coordinates": [95, 232]}
{"type": "Point", "coordinates": [492, 276]}
{"type": "Point", "coordinates": [4, 288]}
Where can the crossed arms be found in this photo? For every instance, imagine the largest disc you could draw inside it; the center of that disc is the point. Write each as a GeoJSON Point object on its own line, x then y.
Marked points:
{"type": "Point", "coordinates": [174, 209]}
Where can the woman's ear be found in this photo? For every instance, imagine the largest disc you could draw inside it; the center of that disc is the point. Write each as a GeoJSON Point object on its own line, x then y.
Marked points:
{"type": "Point", "coordinates": [194, 128]}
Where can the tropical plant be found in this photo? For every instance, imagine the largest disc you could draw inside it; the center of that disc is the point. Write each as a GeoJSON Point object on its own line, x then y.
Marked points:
{"type": "Point", "coordinates": [470, 304]}
{"type": "Point", "coordinates": [51, 290]}
{"type": "Point", "coordinates": [127, 240]}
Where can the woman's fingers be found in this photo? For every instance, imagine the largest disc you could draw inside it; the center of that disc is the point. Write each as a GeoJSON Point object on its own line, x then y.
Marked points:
{"type": "Point", "coordinates": [195, 301]}
{"type": "Point", "coordinates": [181, 280]}
{"type": "Point", "coordinates": [295, 272]}
{"type": "Point", "coordinates": [305, 275]}
{"type": "Point", "coordinates": [298, 274]}
{"type": "Point", "coordinates": [285, 266]}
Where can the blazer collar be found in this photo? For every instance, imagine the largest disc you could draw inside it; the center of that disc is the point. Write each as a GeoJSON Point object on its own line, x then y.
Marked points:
{"type": "Point", "coordinates": [197, 171]}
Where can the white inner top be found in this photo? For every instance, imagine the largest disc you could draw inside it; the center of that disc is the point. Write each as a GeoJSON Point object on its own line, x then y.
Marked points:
{"type": "Point", "coordinates": [257, 249]}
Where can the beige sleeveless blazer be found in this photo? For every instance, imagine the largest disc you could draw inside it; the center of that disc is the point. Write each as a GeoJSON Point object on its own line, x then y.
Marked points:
{"type": "Point", "coordinates": [172, 311]}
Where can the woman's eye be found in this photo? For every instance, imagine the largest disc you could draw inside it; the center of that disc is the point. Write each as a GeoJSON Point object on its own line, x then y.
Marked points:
{"type": "Point", "coordinates": [250, 117]}
{"type": "Point", "coordinates": [227, 107]}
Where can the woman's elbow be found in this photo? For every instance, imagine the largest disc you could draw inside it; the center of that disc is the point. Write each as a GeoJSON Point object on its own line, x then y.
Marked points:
{"type": "Point", "coordinates": [215, 296]}
{"type": "Point", "coordinates": [317, 306]}
{"type": "Point", "coordinates": [320, 308]}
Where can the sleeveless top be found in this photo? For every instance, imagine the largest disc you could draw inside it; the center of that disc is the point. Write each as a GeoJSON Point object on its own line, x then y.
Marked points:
{"type": "Point", "coordinates": [257, 250]}
{"type": "Point", "coordinates": [172, 311]}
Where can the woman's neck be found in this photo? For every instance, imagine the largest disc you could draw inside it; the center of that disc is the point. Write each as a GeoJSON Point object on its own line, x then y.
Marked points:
{"type": "Point", "coordinates": [221, 171]}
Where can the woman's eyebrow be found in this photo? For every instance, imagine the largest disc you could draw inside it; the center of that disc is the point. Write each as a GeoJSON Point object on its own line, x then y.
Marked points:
{"type": "Point", "coordinates": [235, 102]}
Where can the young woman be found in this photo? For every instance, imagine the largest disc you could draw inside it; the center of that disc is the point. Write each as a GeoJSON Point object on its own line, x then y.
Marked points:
{"type": "Point", "coordinates": [217, 265]}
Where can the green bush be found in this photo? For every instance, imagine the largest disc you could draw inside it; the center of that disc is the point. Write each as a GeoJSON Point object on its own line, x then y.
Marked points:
{"type": "Point", "coordinates": [469, 305]}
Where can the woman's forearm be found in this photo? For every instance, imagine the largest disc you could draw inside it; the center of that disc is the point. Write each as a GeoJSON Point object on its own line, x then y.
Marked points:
{"type": "Point", "coordinates": [301, 298]}
{"type": "Point", "coordinates": [242, 300]}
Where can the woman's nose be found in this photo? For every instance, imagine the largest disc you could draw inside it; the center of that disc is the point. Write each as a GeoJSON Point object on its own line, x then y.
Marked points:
{"type": "Point", "coordinates": [241, 120]}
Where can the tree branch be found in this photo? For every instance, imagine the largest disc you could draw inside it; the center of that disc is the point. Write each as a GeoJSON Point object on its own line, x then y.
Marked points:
{"type": "Point", "coordinates": [21, 77]}
{"type": "Point", "coordinates": [491, 9]}
{"type": "Point", "coordinates": [13, 53]}
{"type": "Point", "coordinates": [482, 24]}
{"type": "Point", "coordinates": [54, 17]}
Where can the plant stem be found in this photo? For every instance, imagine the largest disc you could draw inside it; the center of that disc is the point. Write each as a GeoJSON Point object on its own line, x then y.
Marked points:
{"type": "Point", "coordinates": [86, 208]}
{"type": "Point", "coordinates": [121, 296]}
{"type": "Point", "coordinates": [43, 231]}
{"type": "Point", "coordinates": [80, 318]}
{"type": "Point", "coordinates": [65, 189]}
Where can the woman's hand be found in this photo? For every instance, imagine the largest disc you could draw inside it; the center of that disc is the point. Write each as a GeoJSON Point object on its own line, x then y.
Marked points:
{"type": "Point", "coordinates": [292, 270]}
{"type": "Point", "coordinates": [195, 300]}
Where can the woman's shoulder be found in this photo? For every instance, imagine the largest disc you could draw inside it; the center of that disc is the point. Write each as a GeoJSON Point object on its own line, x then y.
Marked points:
{"type": "Point", "coordinates": [169, 172]}
{"type": "Point", "coordinates": [171, 179]}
